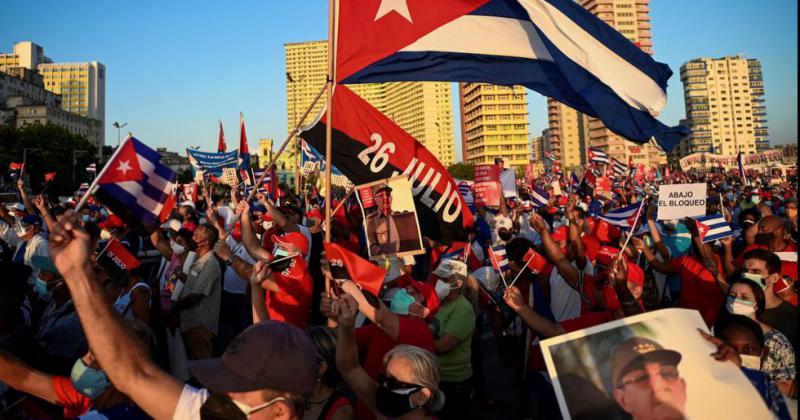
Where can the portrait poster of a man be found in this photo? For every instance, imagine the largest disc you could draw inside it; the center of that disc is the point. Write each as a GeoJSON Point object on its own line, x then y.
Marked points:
{"type": "Point", "coordinates": [390, 218]}
{"type": "Point", "coordinates": [653, 366]}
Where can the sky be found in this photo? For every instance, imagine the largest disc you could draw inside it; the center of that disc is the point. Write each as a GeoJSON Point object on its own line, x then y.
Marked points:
{"type": "Point", "coordinates": [174, 68]}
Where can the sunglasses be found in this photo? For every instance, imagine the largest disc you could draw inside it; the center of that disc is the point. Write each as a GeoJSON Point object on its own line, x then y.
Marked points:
{"type": "Point", "coordinates": [397, 386]}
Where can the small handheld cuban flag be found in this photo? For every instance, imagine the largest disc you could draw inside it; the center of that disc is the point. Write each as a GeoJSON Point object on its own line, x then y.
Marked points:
{"type": "Point", "coordinates": [621, 217]}
{"type": "Point", "coordinates": [742, 172]}
{"type": "Point", "coordinates": [92, 168]}
{"type": "Point", "coordinates": [539, 197]}
{"type": "Point", "coordinates": [497, 254]}
{"type": "Point", "coordinates": [620, 168]}
{"type": "Point", "coordinates": [713, 227]}
{"type": "Point", "coordinates": [597, 155]}
{"type": "Point", "coordinates": [15, 169]}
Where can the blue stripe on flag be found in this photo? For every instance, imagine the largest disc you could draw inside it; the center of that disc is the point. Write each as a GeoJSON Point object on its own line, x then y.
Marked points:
{"type": "Point", "coordinates": [128, 200]}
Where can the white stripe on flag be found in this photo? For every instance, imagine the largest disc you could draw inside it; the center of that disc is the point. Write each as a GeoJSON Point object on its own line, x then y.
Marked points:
{"type": "Point", "coordinates": [632, 85]}
{"type": "Point", "coordinates": [488, 35]}
{"type": "Point", "coordinates": [153, 179]}
{"type": "Point", "coordinates": [142, 200]}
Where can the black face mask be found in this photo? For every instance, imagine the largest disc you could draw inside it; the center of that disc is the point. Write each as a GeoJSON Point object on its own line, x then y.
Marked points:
{"type": "Point", "coordinates": [764, 238]}
{"type": "Point", "coordinates": [391, 404]}
{"type": "Point", "coordinates": [506, 236]}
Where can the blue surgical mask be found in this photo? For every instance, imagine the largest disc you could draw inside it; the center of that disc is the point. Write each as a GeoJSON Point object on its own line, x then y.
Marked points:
{"type": "Point", "coordinates": [86, 218]}
{"type": "Point", "coordinates": [89, 382]}
{"type": "Point", "coordinates": [40, 288]}
{"type": "Point", "coordinates": [401, 302]}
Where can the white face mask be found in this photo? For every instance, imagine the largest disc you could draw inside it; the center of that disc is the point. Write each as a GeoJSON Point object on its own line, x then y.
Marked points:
{"type": "Point", "coordinates": [267, 225]}
{"type": "Point", "coordinates": [442, 289]}
{"type": "Point", "coordinates": [751, 362]}
{"type": "Point", "coordinates": [105, 235]}
{"type": "Point", "coordinates": [176, 247]}
{"type": "Point", "coordinates": [740, 307]}
{"type": "Point", "coordinates": [247, 410]}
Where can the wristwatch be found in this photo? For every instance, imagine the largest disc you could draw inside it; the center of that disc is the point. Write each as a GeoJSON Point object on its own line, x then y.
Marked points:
{"type": "Point", "coordinates": [229, 261]}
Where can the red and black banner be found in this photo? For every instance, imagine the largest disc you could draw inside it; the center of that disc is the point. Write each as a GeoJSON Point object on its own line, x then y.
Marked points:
{"type": "Point", "coordinates": [367, 146]}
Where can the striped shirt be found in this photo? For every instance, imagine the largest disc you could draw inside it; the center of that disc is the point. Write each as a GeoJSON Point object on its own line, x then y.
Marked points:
{"type": "Point", "coordinates": [204, 279]}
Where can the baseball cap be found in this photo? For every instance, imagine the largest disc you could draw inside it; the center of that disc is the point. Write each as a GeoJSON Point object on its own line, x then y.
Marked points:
{"type": "Point", "coordinates": [293, 238]}
{"type": "Point", "coordinates": [172, 224]}
{"type": "Point", "coordinates": [633, 352]}
{"type": "Point", "coordinates": [268, 355]}
{"type": "Point", "coordinates": [16, 207]}
{"type": "Point", "coordinates": [291, 208]}
{"type": "Point", "coordinates": [448, 267]}
{"type": "Point", "coordinates": [504, 223]}
{"type": "Point", "coordinates": [32, 219]}
{"type": "Point", "coordinates": [188, 203]}
{"type": "Point", "coordinates": [383, 187]}
{"type": "Point", "coordinates": [427, 291]}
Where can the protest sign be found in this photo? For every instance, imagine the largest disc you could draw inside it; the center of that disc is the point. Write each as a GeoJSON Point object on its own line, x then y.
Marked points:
{"type": "Point", "coordinates": [212, 162]}
{"type": "Point", "coordinates": [390, 218]}
{"type": "Point", "coordinates": [594, 371]}
{"type": "Point", "coordinates": [486, 188]}
{"type": "Point", "coordinates": [508, 179]}
{"type": "Point", "coordinates": [677, 201]}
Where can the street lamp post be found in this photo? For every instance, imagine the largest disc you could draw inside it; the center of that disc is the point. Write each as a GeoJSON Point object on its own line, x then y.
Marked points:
{"type": "Point", "coordinates": [119, 127]}
{"type": "Point", "coordinates": [298, 151]}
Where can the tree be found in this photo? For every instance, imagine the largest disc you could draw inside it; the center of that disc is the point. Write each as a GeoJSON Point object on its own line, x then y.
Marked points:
{"type": "Point", "coordinates": [56, 148]}
{"type": "Point", "coordinates": [465, 171]}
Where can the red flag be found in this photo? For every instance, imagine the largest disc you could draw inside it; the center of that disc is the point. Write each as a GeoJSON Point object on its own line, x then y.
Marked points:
{"type": "Point", "coordinates": [15, 166]}
{"type": "Point", "coordinates": [244, 150]}
{"type": "Point", "coordinates": [124, 166]}
{"type": "Point", "coordinates": [169, 205]}
{"type": "Point", "coordinates": [48, 177]}
{"type": "Point", "coordinates": [371, 147]}
{"type": "Point", "coordinates": [535, 261]}
{"type": "Point", "coordinates": [119, 257]}
{"type": "Point", "coordinates": [221, 145]}
{"type": "Point", "coordinates": [349, 266]}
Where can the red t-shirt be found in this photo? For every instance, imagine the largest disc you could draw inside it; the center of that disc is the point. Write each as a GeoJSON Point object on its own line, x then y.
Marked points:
{"type": "Point", "coordinates": [699, 289]}
{"type": "Point", "coordinates": [75, 404]}
{"type": "Point", "coordinates": [293, 303]}
{"type": "Point", "coordinates": [374, 343]}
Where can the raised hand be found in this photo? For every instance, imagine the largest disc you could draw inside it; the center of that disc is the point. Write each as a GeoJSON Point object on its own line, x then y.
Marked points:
{"type": "Point", "coordinates": [346, 308]}
{"type": "Point", "coordinates": [70, 246]}
{"type": "Point", "coordinates": [537, 223]}
{"type": "Point", "coordinates": [513, 298]}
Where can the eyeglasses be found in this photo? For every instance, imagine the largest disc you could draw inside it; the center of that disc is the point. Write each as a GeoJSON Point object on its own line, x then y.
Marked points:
{"type": "Point", "coordinates": [642, 379]}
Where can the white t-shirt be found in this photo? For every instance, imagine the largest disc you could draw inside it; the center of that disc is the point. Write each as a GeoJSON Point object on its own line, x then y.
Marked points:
{"type": "Point", "coordinates": [190, 402]}
{"type": "Point", "coordinates": [526, 231]}
{"type": "Point", "coordinates": [232, 282]}
{"type": "Point", "coordinates": [565, 301]}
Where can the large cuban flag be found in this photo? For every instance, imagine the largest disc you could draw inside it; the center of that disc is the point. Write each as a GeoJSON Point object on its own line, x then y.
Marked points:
{"type": "Point", "coordinates": [554, 47]}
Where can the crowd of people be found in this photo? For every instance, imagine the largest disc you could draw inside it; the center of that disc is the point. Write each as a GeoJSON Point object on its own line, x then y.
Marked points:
{"type": "Point", "coordinates": [242, 316]}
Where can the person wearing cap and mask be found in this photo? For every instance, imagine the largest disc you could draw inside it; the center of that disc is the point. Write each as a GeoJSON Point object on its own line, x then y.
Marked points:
{"type": "Point", "coordinates": [407, 389]}
{"type": "Point", "coordinates": [745, 336]}
{"type": "Point", "coordinates": [29, 242]}
{"type": "Point", "coordinates": [771, 234]}
{"type": "Point", "coordinates": [267, 372]}
{"type": "Point", "coordinates": [59, 331]}
{"type": "Point", "coordinates": [746, 297]}
{"type": "Point", "coordinates": [452, 327]}
{"type": "Point", "coordinates": [646, 380]}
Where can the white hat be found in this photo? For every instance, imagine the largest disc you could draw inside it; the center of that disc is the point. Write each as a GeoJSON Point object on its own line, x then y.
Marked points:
{"type": "Point", "coordinates": [488, 277]}
{"type": "Point", "coordinates": [583, 206]}
{"type": "Point", "coordinates": [16, 206]}
{"type": "Point", "coordinates": [172, 224]}
{"type": "Point", "coordinates": [188, 203]}
{"type": "Point", "coordinates": [503, 222]}
{"type": "Point", "coordinates": [448, 267]}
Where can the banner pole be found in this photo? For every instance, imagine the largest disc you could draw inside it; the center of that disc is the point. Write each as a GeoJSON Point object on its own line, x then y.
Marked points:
{"type": "Point", "coordinates": [329, 118]}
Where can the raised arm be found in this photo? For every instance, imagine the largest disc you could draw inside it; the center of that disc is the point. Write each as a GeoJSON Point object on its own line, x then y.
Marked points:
{"type": "Point", "coordinates": [261, 279]}
{"type": "Point", "coordinates": [567, 271]}
{"type": "Point", "coordinates": [619, 276]}
{"type": "Point", "coordinates": [26, 200]}
{"type": "Point", "coordinates": [161, 244]}
{"type": "Point", "coordinates": [121, 355]}
{"type": "Point", "coordinates": [540, 325]}
{"type": "Point", "coordinates": [661, 266]}
{"type": "Point", "coordinates": [575, 234]}
{"type": "Point", "coordinates": [280, 219]}
{"type": "Point", "coordinates": [18, 375]}
{"type": "Point", "coordinates": [249, 239]}
{"type": "Point", "coordinates": [347, 352]}
{"type": "Point", "coordinates": [41, 204]}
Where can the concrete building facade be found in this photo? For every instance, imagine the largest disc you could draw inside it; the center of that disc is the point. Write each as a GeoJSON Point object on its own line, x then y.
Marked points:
{"type": "Point", "coordinates": [494, 121]}
{"type": "Point", "coordinates": [423, 109]}
{"type": "Point", "coordinates": [725, 107]}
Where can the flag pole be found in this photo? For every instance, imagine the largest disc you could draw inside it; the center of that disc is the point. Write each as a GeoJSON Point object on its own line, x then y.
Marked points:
{"type": "Point", "coordinates": [329, 118]}
{"type": "Point", "coordinates": [93, 186]}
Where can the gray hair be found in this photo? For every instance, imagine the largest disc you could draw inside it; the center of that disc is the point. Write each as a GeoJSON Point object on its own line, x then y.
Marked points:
{"type": "Point", "coordinates": [425, 367]}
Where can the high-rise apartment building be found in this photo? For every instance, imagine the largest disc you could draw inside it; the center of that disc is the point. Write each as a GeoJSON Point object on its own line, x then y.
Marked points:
{"type": "Point", "coordinates": [573, 133]}
{"type": "Point", "coordinates": [421, 109]}
{"type": "Point", "coordinates": [725, 105]}
{"type": "Point", "coordinates": [82, 86]}
{"type": "Point", "coordinates": [264, 152]}
{"type": "Point", "coordinates": [494, 121]}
